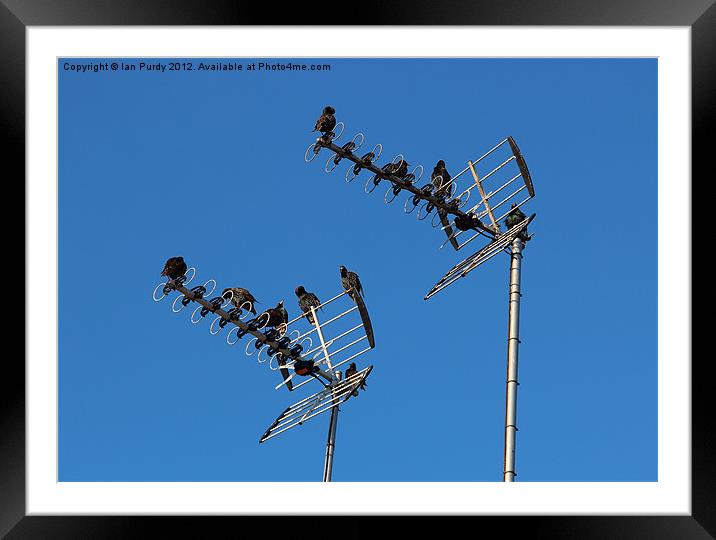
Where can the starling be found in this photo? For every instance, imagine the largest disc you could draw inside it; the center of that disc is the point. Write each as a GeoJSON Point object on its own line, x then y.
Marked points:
{"type": "Point", "coordinates": [388, 168]}
{"type": "Point", "coordinates": [352, 370]}
{"type": "Point", "coordinates": [398, 169]}
{"type": "Point", "coordinates": [174, 268]}
{"type": "Point", "coordinates": [401, 170]}
{"type": "Point", "coordinates": [306, 300]}
{"type": "Point", "coordinates": [351, 282]}
{"type": "Point", "coordinates": [514, 216]}
{"type": "Point", "coordinates": [239, 296]}
{"type": "Point", "coordinates": [468, 221]}
{"type": "Point", "coordinates": [276, 315]}
{"type": "Point", "coordinates": [441, 180]}
{"type": "Point", "coordinates": [326, 122]}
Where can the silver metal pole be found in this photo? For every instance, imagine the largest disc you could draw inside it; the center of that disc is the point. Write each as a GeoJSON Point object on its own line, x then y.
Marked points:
{"type": "Point", "coordinates": [512, 356]}
{"type": "Point", "coordinates": [331, 443]}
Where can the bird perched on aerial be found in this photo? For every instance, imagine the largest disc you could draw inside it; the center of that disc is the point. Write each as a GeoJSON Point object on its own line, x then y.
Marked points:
{"type": "Point", "coordinates": [514, 216]}
{"type": "Point", "coordinates": [401, 169]}
{"type": "Point", "coordinates": [441, 180]}
{"type": "Point", "coordinates": [326, 122]}
{"type": "Point", "coordinates": [306, 300]}
{"type": "Point", "coordinates": [465, 222]}
{"type": "Point", "coordinates": [174, 268]}
{"type": "Point", "coordinates": [276, 315]}
{"type": "Point", "coordinates": [351, 282]}
{"type": "Point", "coordinates": [398, 169]}
{"type": "Point", "coordinates": [352, 370]}
{"type": "Point", "coordinates": [239, 296]}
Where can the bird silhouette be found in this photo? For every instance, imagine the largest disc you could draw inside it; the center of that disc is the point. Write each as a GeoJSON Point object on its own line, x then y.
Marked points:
{"type": "Point", "coordinates": [306, 300]}
{"type": "Point", "coordinates": [276, 315]}
{"type": "Point", "coordinates": [514, 217]}
{"type": "Point", "coordinates": [465, 222]}
{"type": "Point", "coordinates": [326, 122]}
{"type": "Point", "coordinates": [397, 169]}
{"type": "Point", "coordinates": [441, 180]}
{"type": "Point", "coordinates": [351, 282]}
{"type": "Point", "coordinates": [401, 169]}
{"type": "Point", "coordinates": [352, 370]}
{"type": "Point", "coordinates": [239, 296]}
{"type": "Point", "coordinates": [174, 268]}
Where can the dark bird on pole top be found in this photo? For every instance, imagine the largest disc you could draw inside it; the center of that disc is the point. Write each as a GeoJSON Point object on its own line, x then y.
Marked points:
{"type": "Point", "coordinates": [351, 282]}
{"type": "Point", "coordinates": [326, 122]}
{"type": "Point", "coordinates": [306, 300]}
{"type": "Point", "coordinates": [276, 315]}
{"type": "Point", "coordinates": [239, 296]}
{"type": "Point", "coordinates": [174, 268]}
{"type": "Point", "coordinates": [352, 370]}
{"type": "Point", "coordinates": [441, 179]}
{"type": "Point", "coordinates": [514, 217]}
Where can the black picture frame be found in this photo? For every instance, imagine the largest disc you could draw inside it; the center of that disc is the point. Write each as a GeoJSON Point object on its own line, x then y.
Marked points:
{"type": "Point", "coordinates": [16, 15]}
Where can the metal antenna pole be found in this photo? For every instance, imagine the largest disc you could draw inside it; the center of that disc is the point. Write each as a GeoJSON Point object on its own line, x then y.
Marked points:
{"type": "Point", "coordinates": [331, 443]}
{"type": "Point", "coordinates": [512, 354]}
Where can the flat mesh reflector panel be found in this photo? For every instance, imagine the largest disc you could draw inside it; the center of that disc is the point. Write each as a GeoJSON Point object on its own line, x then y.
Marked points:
{"type": "Point", "coordinates": [332, 396]}
{"type": "Point", "coordinates": [467, 265]}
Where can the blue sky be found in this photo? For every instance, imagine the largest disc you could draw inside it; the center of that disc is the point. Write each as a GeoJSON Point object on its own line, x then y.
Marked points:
{"type": "Point", "coordinates": [210, 166]}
